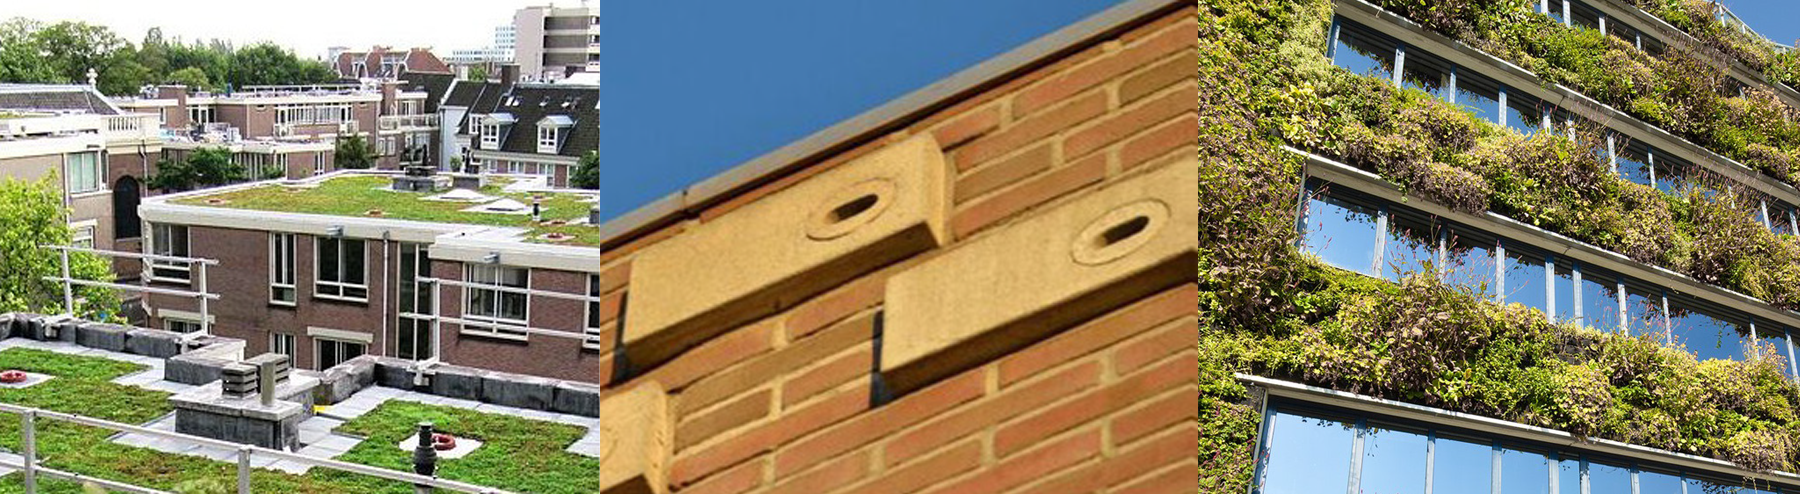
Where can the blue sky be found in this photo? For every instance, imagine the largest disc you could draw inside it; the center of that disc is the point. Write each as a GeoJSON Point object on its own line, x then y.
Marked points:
{"type": "Point", "coordinates": [1772, 18]}
{"type": "Point", "coordinates": [690, 89]}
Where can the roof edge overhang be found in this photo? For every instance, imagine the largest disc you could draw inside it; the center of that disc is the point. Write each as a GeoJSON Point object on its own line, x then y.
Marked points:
{"type": "Point", "coordinates": [883, 119]}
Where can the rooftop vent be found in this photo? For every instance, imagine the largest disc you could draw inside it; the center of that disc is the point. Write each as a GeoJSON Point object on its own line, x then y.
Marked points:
{"type": "Point", "coordinates": [421, 179]}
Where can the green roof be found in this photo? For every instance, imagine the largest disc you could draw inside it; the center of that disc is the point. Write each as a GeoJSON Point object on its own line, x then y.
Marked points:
{"type": "Point", "coordinates": [368, 196]}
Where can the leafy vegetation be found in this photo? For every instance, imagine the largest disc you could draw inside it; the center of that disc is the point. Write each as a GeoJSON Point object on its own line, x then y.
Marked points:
{"type": "Point", "coordinates": [519, 454]}
{"type": "Point", "coordinates": [204, 167]}
{"type": "Point", "coordinates": [34, 215]}
{"type": "Point", "coordinates": [63, 52]}
{"type": "Point", "coordinates": [353, 152]}
{"type": "Point", "coordinates": [1267, 309]}
{"type": "Point", "coordinates": [587, 172]}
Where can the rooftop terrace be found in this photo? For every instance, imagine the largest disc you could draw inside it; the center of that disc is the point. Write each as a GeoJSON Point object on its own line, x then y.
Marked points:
{"type": "Point", "coordinates": [507, 200]}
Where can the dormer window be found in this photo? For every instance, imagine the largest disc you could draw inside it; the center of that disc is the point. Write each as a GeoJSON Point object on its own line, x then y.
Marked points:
{"type": "Point", "coordinates": [490, 128]}
{"type": "Point", "coordinates": [550, 131]}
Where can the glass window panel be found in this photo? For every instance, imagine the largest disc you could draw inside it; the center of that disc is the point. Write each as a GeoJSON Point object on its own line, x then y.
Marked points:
{"type": "Point", "coordinates": [1478, 96]}
{"type": "Point", "coordinates": [1363, 54]}
{"type": "Point", "coordinates": [1462, 467]}
{"type": "Point", "coordinates": [1411, 247]}
{"type": "Point", "coordinates": [1704, 334]}
{"type": "Point", "coordinates": [1568, 477]}
{"type": "Point", "coordinates": [1523, 113]}
{"type": "Point", "coordinates": [1524, 472]}
{"type": "Point", "coordinates": [328, 259]}
{"type": "Point", "coordinates": [1772, 344]}
{"type": "Point", "coordinates": [1525, 280]}
{"type": "Point", "coordinates": [353, 261]}
{"type": "Point", "coordinates": [1565, 291]}
{"type": "Point", "coordinates": [1781, 219]}
{"type": "Point", "coordinates": [1341, 233]}
{"type": "Point", "coordinates": [1425, 74]}
{"type": "Point", "coordinates": [1670, 174]}
{"type": "Point", "coordinates": [1644, 311]}
{"type": "Point", "coordinates": [1471, 265]}
{"type": "Point", "coordinates": [1608, 479]}
{"type": "Point", "coordinates": [1306, 455]}
{"type": "Point", "coordinates": [1633, 162]}
{"type": "Point", "coordinates": [1650, 482]}
{"type": "Point", "coordinates": [1600, 300]}
{"type": "Point", "coordinates": [1393, 462]}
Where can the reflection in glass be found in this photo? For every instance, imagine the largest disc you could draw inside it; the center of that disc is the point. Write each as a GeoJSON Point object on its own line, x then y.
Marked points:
{"type": "Point", "coordinates": [1341, 233]}
{"type": "Point", "coordinates": [1471, 265]}
{"type": "Point", "coordinates": [1650, 482]}
{"type": "Point", "coordinates": [1568, 476]}
{"type": "Point", "coordinates": [1425, 75]}
{"type": "Point", "coordinates": [1393, 462]}
{"type": "Point", "coordinates": [1600, 301]}
{"type": "Point", "coordinates": [1645, 312]}
{"type": "Point", "coordinates": [1306, 455]}
{"type": "Point", "coordinates": [1709, 337]}
{"type": "Point", "coordinates": [1524, 472]}
{"type": "Point", "coordinates": [1633, 162]}
{"type": "Point", "coordinates": [1523, 113]}
{"type": "Point", "coordinates": [1411, 247]}
{"type": "Point", "coordinates": [1362, 55]}
{"type": "Point", "coordinates": [1565, 291]}
{"type": "Point", "coordinates": [1525, 280]}
{"type": "Point", "coordinates": [1781, 219]}
{"type": "Point", "coordinates": [1772, 344]}
{"type": "Point", "coordinates": [1479, 97]}
{"type": "Point", "coordinates": [1608, 479]}
{"type": "Point", "coordinates": [1462, 467]}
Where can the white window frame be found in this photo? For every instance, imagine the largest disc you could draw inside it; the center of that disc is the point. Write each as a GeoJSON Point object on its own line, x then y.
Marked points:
{"type": "Point", "coordinates": [591, 315]}
{"type": "Point", "coordinates": [161, 243]}
{"type": "Point", "coordinates": [500, 330]}
{"type": "Point", "coordinates": [282, 267]}
{"type": "Point", "coordinates": [319, 342]}
{"type": "Point", "coordinates": [490, 136]}
{"type": "Point", "coordinates": [342, 287]}
{"type": "Point", "coordinates": [174, 323]}
{"type": "Point", "coordinates": [78, 179]}
{"type": "Point", "coordinates": [280, 341]}
{"type": "Point", "coordinates": [81, 233]}
{"type": "Point", "coordinates": [547, 138]}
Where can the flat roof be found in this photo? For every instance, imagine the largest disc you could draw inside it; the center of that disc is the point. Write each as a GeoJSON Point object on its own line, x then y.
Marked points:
{"type": "Point", "coordinates": [368, 195]}
{"type": "Point", "coordinates": [884, 119]}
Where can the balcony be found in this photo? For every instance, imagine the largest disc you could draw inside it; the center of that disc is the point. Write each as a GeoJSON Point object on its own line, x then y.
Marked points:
{"type": "Point", "coordinates": [388, 123]}
{"type": "Point", "coordinates": [133, 127]}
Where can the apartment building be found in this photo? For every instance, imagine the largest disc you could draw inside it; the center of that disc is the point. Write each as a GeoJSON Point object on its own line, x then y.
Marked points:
{"type": "Point", "coordinates": [499, 52]}
{"type": "Point", "coordinates": [552, 42]}
{"type": "Point", "coordinates": [984, 286]}
{"type": "Point", "coordinates": [536, 129]}
{"type": "Point", "coordinates": [385, 62]}
{"type": "Point", "coordinates": [327, 268]}
{"type": "Point", "coordinates": [1321, 436]}
{"type": "Point", "coordinates": [101, 153]}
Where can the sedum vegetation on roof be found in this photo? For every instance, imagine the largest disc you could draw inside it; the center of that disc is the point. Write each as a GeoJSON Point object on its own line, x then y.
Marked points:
{"type": "Point", "coordinates": [368, 196]}
{"type": "Point", "coordinates": [1271, 310]}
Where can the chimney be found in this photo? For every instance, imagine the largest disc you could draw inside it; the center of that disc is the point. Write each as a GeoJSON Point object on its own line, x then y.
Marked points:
{"type": "Point", "coordinates": [509, 74]}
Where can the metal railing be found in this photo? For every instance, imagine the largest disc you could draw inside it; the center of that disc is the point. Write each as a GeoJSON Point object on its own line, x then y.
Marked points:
{"type": "Point", "coordinates": [437, 318]}
{"type": "Point", "coordinates": [195, 265]}
{"type": "Point", "coordinates": [31, 470]}
{"type": "Point", "coordinates": [397, 122]}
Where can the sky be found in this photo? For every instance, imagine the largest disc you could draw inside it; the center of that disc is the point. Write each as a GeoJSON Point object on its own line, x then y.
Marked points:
{"type": "Point", "coordinates": [690, 89]}
{"type": "Point", "coordinates": [1774, 19]}
{"type": "Point", "coordinates": [308, 27]}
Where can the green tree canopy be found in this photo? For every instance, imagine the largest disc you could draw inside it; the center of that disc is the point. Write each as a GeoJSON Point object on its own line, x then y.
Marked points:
{"type": "Point", "coordinates": [34, 215]}
{"type": "Point", "coordinates": [354, 153]}
{"type": "Point", "coordinates": [478, 73]}
{"type": "Point", "coordinates": [35, 52]}
{"type": "Point", "coordinates": [587, 172]}
{"type": "Point", "coordinates": [193, 77]}
{"type": "Point", "coordinates": [205, 167]}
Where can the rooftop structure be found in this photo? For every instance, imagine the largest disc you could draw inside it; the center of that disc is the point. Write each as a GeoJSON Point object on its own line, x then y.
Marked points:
{"type": "Point", "coordinates": [386, 63]}
{"type": "Point", "coordinates": [552, 42]}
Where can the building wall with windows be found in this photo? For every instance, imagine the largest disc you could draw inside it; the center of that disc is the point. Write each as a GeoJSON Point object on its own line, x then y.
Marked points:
{"type": "Point", "coordinates": [1319, 436]}
{"type": "Point", "coordinates": [781, 384]}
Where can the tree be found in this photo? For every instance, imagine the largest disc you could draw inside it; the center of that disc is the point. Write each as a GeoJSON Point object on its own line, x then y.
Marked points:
{"type": "Point", "coordinates": [21, 59]}
{"type": "Point", "coordinates": [478, 73]}
{"type": "Point", "coordinates": [74, 47]}
{"type": "Point", "coordinates": [192, 77]}
{"type": "Point", "coordinates": [268, 63]}
{"type": "Point", "coordinates": [587, 172]}
{"type": "Point", "coordinates": [205, 167]}
{"type": "Point", "coordinates": [34, 215]}
{"type": "Point", "coordinates": [354, 153]}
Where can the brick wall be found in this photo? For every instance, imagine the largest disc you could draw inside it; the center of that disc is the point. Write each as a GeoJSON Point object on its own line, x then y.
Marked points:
{"type": "Point", "coordinates": [561, 358]}
{"type": "Point", "coordinates": [784, 403]}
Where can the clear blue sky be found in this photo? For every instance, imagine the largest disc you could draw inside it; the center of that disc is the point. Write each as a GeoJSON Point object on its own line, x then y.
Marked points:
{"type": "Point", "coordinates": [690, 89]}
{"type": "Point", "coordinates": [1772, 18]}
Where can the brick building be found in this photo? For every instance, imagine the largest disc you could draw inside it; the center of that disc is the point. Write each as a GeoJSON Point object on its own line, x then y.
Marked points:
{"type": "Point", "coordinates": [986, 286]}
{"type": "Point", "coordinates": [384, 62]}
{"type": "Point", "coordinates": [327, 268]}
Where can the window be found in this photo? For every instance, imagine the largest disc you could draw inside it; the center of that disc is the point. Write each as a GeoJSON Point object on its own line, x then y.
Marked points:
{"type": "Point", "coordinates": [1703, 331]}
{"type": "Point", "coordinates": [505, 307]}
{"type": "Point", "coordinates": [180, 325]}
{"type": "Point", "coordinates": [1525, 114]}
{"type": "Point", "coordinates": [1668, 172]}
{"type": "Point", "coordinates": [281, 268]}
{"type": "Point", "coordinates": [282, 344]}
{"type": "Point", "coordinates": [333, 352]}
{"type": "Point", "coordinates": [340, 270]}
{"type": "Point", "coordinates": [414, 334]}
{"type": "Point", "coordinates": [1523, 472]}
{"type": "Point", "coordinates": [169, 240]}
{"type": "Point", "coordinates": [1781, 218]}
{"type": "Point", "coordinates": [1362, 51]}
{"type": "Point", "coordinates": [1411, 245]}
{"type": "Point", "coordinates": [592, 329]}
{"type": "Point", "coordinates": [1525, 280]}
{"type": "Point", "coordinates": [1462, 466]}
{"type": "Point", "coordinates": [82, 234]}
{"type": "Point", "coordinates": [1632, 159]}
{"type": "Point", "coordinates": [1391, 460]}
{"type": "Point", "coordinates": [1306, 455]}
{"type": "Point", "coordinates": [1342, 232]}
{"type": "Point", "coordinates": [1479, 96]}
{"type": "Point", "coordinates": [1600, 300]}
{"type": "Point", "coordinates": [1426, 73]}
{"type": "Point", "coordinates": [490, 136]}
{"type": "Point", "coordinates": [200, 115]}
{"type": "Point", "coordinates": [547, 139]}
{"type": "Point", "coordinates": [1469, 262]}
{"type": "Point", "coordinates": [83, 173]}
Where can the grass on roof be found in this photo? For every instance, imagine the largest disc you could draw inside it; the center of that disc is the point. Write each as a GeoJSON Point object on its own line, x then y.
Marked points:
{"type": "Point", "coordinates": [357, 195]}
{"type": "Point", "coordinates": [521, 455]}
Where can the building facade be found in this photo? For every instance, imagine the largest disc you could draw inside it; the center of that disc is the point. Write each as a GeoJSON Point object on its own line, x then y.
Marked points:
{"type": "Point", "coordinates": [986, 287]}
{"type": "Point", "coordinates": [1367, 223]}
{"type": "Point", "coordinates": [552, 42]}
{"type": "Point", "coordinates": [384, 62]}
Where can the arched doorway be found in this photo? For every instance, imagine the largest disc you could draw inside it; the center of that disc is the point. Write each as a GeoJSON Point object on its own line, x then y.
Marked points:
{"type": "Point", "coordinates": [125, 195]}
